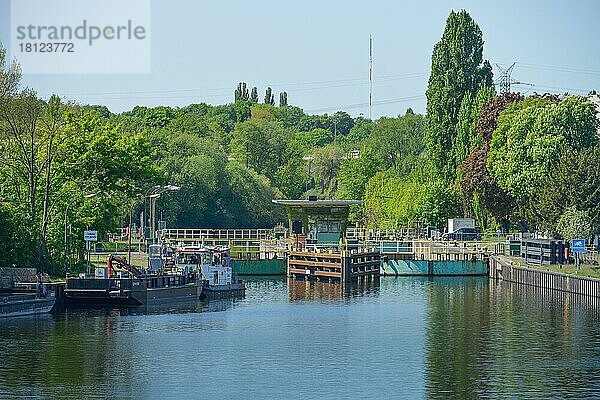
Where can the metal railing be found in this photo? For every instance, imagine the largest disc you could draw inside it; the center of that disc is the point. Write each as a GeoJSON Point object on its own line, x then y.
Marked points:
{"type": "Point", "coordinates": [219, 234]}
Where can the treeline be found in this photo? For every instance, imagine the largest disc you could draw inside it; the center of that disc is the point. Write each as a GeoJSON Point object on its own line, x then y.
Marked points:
{"type": "Point", "coordinates": [508, 161]}
{"type": "Point", "coordinates": [505, 160]}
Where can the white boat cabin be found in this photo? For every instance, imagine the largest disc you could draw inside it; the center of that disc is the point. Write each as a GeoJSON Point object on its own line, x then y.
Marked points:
{"type": "Point", "coordinates": [213, 263]}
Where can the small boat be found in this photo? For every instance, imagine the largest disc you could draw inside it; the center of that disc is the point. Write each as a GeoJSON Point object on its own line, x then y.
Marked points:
{"type": "Point", "coordinates": [121, 284]}
{"type": "Point", "coordinates": [218, 278]}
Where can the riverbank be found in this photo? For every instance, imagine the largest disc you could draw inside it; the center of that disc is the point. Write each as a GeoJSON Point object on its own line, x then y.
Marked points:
{"type": "Point", "coordinates": [589, 270]}
{"type": "Point", "coordinates": [501, 268]}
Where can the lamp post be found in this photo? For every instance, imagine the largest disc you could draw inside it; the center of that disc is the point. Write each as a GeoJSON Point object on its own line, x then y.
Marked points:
{"type": "Point", "coordinates": [153, 194]}
{"type": "Point", "coordinates": [87, 196]}
{"type": "Point", "coordinates": [129, 238]}
{"type": "Point", "coordinates": [152, 198]}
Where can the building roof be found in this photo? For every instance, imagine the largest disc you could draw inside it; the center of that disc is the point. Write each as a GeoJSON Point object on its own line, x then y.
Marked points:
{"type": "Point", "coordinates": [318, 203]}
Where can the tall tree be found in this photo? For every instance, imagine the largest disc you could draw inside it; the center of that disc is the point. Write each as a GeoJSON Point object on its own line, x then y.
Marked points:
{"type": "Point", "coordinates": [269, 96]}
{"type": "Point", "coordinates": [466, 128]}
{"type": "Point", "coordinates": [241, 92]}
{"type": "Point", "coordinates": [457, 68]}
{"type": "Point", "coordinates": [260, 144]}
{"type": "Point", "coordinates": [254, 95]}
{"type": "Point", "coordinates": [283, 99]}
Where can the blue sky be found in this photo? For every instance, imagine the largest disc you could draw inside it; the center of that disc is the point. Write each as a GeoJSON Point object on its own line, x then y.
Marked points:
{"type": "Point", "coordinates": [317, 51]}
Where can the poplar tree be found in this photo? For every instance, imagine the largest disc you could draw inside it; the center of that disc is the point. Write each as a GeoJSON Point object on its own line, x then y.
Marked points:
{"type": "Point", "coordinates": [457, 69]}
{"type": "Point", "coordinates": [254, 95]}
{"type": "Point", "coordinates": [283, 99]}
{"type": "Point", "coordinates": [241, 93]}
{"type": "Point", "coordinates": [269, 97]}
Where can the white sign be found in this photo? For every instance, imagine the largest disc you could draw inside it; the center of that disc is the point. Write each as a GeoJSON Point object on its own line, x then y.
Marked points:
{"type": "Point", "coordinates": [90, 236]}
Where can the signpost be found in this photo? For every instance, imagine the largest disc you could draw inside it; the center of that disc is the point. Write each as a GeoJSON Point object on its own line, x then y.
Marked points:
{"type": "Point", "coordinates": [578, 246]}
{"type": "Point", "coordinates": [89, 237]}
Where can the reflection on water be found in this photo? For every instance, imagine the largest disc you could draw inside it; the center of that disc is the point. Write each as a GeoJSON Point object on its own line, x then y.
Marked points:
{"type": "Point", "coordinates": [167, 307]}
{"type": "Point", "coordinates": [507, 340]}
{"type": "Point", "coordinates": [402, 338]}
{"type": "Point", "coordinates": [312, 290]}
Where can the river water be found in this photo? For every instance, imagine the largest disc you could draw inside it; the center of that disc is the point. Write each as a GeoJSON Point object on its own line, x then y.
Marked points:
{"type": "Point", "coordinates": [402, 338]}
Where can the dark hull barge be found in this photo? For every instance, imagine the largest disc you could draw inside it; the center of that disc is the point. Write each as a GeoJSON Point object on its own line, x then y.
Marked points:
{"type": "Point", "coordinates": [17, 305]}
{"type": "Point", "coordinates": [21, 295]}
{"type": "Point", "coordinates": [132, 292]}
{"type": "Point", "coordinates": [232, 290]}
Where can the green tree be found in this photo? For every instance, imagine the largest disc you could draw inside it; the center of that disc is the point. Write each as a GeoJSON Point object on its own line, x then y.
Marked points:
{"type": "Point", "coordinates": [457, 68]}
{"type": "Point", "coordinates": [340, 123]}
{"type": "Point", "coordinates": [196, 165]}
{"type": "Point", "coordinates": [269, 97]}
{"type": "Point", "coordinates": [532, 135]}
{"type": "Point", "coordinates": [261, 144]}
{"type": "Point", "coordinates": [254, 95]}
{"type": "Point", "coordinates": [248, 198]}
{"type": "Point", "coordinates": [398, 141]}
{"type": "Point", "coordinates": [438, 204]}
{"type": "Point", "coordinates": [326, 164]}
{"type": "Point", "coordinates": [359, 132]}
{"type": "Point", "coordinates": [283, 102]}
{"type": "Point", "coordinates": [391, 201]}
{"type": "Point", "coordinates": [313, 139]}
{"type": "Point", "coordinates": [289, 116]}
{"type": "Point", "coordinates": [242, 110]}
{"type": "Point", "coordinates": [574, 224]}
{"type": "Point", "coordinates": [241, 92]}
{"type": "Point", "coordinates": [355, 174]}
{"type": "Point", "coordinates": [575, 182]}
{"type": "Point", "coordinates": [476, 184]}
{"type": "Point", "coordinates": [466, 128]}
{"type": "Point", "coordinates": [292, 178]}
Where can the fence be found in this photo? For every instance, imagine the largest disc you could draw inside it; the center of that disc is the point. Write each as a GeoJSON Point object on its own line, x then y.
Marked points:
{"type": "Point", "coordinates": [501, 269]}
{"type": "Point", "coordinates": [218, 234]}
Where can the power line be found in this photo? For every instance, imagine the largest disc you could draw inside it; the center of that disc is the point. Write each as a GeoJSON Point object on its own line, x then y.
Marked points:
{"type": "Point", "coordinates": [556, 68]}
{"type": "Point", "coordinates": [339, 82]}
{"type": "Point", "coordinates": [360, 105]}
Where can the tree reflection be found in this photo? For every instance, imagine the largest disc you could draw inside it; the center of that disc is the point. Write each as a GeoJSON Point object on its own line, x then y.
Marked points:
{"type": "Point", "coordinates": [312, 290]}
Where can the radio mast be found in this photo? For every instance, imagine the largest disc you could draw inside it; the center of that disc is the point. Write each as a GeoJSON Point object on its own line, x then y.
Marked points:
{"type": "Point", "coordinates": [370, 74]}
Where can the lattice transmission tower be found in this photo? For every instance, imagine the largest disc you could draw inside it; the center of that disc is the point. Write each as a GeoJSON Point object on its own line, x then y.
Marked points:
{"type": "Point", "coordinates": [504, 80]}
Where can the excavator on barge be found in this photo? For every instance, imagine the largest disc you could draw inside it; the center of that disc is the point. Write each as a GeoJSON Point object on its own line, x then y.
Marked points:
{"type": "Point", "coordinates": [121, 284]}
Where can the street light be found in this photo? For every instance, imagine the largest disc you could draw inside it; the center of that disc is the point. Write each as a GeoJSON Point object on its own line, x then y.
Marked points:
{"type": "Point", "coordinates": [153, 194]}
{"type": "Point", "coordinates": [87, 196]}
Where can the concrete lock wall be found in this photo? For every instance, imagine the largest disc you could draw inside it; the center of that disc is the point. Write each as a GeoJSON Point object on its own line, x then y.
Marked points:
{"type": "Point", "coordinates": [260, 267]}
{"type": "Point", "coordinates": [432, 268]}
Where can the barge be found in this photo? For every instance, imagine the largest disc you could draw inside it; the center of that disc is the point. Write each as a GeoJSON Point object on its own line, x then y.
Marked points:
{"type": "Point", "coordinates": [122, 285]}
{"type": "Point", "coordinates": [22, 304]}
{"type": "Point", "coordinates": [20, 299]}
